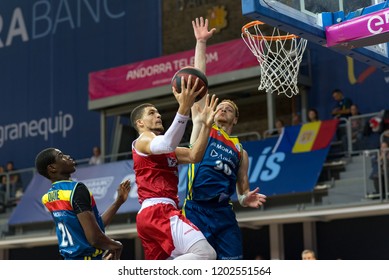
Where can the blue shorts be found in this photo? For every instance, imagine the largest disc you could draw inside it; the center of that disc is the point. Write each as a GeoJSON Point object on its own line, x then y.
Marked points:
{"type": "Point", "coordinates": [219, 225]}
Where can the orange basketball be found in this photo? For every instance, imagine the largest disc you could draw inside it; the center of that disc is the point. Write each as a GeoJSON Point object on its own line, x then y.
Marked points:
{"type": "Point", "coordinates": [195, 73]}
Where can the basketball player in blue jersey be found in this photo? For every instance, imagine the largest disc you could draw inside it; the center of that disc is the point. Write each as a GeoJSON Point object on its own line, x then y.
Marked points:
{"type": "Point", "coordinates": [79, 226]}
{"type": "Point", "coordinates": [222, 171]}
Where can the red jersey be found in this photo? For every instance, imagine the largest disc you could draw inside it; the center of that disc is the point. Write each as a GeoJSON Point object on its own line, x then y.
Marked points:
{"type": "Point", "coordinates": [156, 175]}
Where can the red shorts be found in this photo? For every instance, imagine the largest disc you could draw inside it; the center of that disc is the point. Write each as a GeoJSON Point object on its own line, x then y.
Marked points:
{"type": "Point", "coordinates": [165, 233]}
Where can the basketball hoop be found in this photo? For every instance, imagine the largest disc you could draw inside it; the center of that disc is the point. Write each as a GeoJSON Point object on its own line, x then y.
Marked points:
{"type": "Point", "coordinates": [279, 57]}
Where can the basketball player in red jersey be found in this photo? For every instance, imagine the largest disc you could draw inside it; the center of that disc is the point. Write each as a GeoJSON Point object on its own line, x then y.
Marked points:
{"type": "Point", "coordinates": [165, 233]}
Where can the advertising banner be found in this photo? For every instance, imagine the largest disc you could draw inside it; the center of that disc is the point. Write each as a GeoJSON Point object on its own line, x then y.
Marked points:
{"type": "Point", "coordinates": [274, 172]}
{"type": "Point", "coordinates": [223, 57]}
{"type": "Point", "coordinates": [279, 172]}
{"type": "Point", "coordinates": [365, 30]}
{"type": "Point", "coordinates": [47, 50]}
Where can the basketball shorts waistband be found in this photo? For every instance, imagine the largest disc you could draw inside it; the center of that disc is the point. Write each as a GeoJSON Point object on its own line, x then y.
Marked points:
{"type": "Point", "coordinates": [156, 200]}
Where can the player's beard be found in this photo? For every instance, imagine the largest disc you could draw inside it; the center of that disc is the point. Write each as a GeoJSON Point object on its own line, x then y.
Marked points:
{"type": "Point", "coordinates": [221, 120]}
{"type": "Point", "coordinates": [158, 130]}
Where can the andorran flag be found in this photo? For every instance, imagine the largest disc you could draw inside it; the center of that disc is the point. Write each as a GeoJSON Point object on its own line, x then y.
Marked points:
{"type": "Point", "coordinates": [306, 137]}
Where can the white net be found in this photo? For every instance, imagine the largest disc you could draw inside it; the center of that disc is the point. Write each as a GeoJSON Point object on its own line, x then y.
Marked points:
{"type": "Point", "coordinates": [279, 57]}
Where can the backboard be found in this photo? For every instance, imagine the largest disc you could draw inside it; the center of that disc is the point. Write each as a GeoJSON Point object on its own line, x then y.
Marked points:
{"type": "Point", "coordinates": [358, 28]}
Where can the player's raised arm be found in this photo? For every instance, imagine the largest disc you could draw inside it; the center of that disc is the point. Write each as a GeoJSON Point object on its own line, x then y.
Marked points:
{"type": "Point", "coordinates": [202, 34]}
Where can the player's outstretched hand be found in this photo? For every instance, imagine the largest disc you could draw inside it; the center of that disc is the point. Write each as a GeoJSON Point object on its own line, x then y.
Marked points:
{"type": "Point", "coordinates": [200, 28]}
{"type": "Point", "coordinates": [113, 254]}
{"type": "Point", "coordinates": [254, 199]}
{"type": "Point", "coordinates": [123, 191]}
{"type": "Point", "coordinates": [207, 114]}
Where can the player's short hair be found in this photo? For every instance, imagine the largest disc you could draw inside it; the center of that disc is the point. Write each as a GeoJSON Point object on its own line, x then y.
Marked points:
{"type": "Point", "coordinates": [232, 103]}
{"type": "Point", "coordinates": [308, 251]}
{"type": "Point", "coordinates": [137, 113]}
{"type": "Point", "coordinates": [44, 159]}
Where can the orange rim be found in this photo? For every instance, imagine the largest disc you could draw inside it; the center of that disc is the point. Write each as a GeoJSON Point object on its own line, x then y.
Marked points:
{"type": "Point", "coordinates": [267, 38]}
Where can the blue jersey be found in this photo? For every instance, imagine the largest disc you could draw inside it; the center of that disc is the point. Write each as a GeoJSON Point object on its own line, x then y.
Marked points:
{"type": "Point", "coordinates": [211, 183]}
{"type": "Point", "coordinates": [71, 238]}
{"type": "Point", "coordinates": [215, 176]}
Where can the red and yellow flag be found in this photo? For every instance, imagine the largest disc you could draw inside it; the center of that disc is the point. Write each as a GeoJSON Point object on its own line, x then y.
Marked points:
{"type": "Point", "coordinates": [307, 137]}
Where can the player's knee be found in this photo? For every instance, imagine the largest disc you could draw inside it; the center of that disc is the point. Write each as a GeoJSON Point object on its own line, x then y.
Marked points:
{"type": "Point", "coordinates": [211, 253]}
{"type": "Point", "coordinates": [204, 250]}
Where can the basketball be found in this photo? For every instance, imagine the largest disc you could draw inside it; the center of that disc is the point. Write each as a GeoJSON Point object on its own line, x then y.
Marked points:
{"type": "Point", "coordinates": [195, 73]}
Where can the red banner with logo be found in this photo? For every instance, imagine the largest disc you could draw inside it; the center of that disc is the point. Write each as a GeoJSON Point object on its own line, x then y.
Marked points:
{"type": "Point", "coordinates": [221, 58]}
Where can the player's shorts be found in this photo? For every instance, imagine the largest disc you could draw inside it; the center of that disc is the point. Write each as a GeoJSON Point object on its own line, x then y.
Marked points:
{"type": "Point", "coordinates": [217, 221]}
{"type": "Point", "coordinates": [165, 233]}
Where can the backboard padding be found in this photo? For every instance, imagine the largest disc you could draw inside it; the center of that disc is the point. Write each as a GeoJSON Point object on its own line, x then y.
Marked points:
{"type": "Point", "coordinates": [308, 26]}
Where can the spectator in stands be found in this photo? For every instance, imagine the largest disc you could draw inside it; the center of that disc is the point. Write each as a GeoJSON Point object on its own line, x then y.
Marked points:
{"type": "Point", "coordinates": [372, 131]}
{"type": "Point", "coordinates": [343, 105]}
{"type": "Point", "coordinates": [341, 111]}
{"type": "Point", "coordinates": [380, 124]}
{"type": "Point", "coordinates": [279, 125]}
{"type": "Point", "coordinates": [96, 157]}
{"type": "Point", "coordinates": [378, 163]}
{"type": "Point", "coordinates": [313, 115]}
{"type": "Point", "coordinates": [296, 119]}
{"type": "Point", "coordinates": [15, 182]}
{"type": "Point", "coordinates": [356, 128]}
{"type": "Point", "coordinates": [79, 226]}
{"type": "Point", "coordinates": [308, 255]}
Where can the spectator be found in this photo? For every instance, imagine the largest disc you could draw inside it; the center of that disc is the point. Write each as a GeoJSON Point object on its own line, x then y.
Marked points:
{"type": "Point", "coordinates": [96, 157]}
{"type": "Point", "coordinates": [343, 104]}
{"type": "Point", "coordinates": [15, 182]}
{"type": "Point", "coordinates": [375, 124]}
{"type": "Point", "coordinates": [376, 130]}
{"type": "Point", "coordinates": [313, 115]}
{"type": "Point", "coordinates": [296, 119]}
{"type": "Point", "coordinates": [341, 111]}
{"type": "Point", "coordinates": [308, 255]}
{"type": "Point", "coordinates": [279, 125]}
{"type": "Point", "coordinates": [378, 165]}
{"type": "Point", "coordinates": [356, 128]}
{"type": "Point", "coordinates": [372, 130]}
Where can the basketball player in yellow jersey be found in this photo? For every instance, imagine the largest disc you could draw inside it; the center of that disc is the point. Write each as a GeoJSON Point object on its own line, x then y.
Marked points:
{"type": "Point", "coordinates": [213, 181]}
